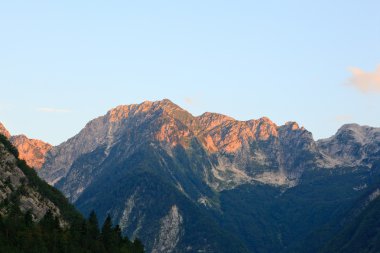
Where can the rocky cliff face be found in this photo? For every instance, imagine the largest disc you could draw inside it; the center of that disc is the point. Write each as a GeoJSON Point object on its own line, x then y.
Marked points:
{"type": "Point", "coordinates": [31, 150]}
{"type": "Point", "coordinates": [236, 149]}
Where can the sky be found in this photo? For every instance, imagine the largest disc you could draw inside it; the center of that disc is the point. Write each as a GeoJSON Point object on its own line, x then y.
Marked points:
{"type": "Point", "coordinates": [63, 63]}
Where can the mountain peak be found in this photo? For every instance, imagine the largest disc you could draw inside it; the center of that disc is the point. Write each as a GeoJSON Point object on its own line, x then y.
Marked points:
{"type": "Point", "coordinates": [33, 151]}
{"type": "Point", "coordinates": [266, 119]}
{"type": "Point", "coordinates": [293, 125]}
{"type": "Point", "coordinates": [349, 126]}
{"type": "Point", "coordinates": [361, 134]}
{"type": "Point", "coordinates": [168, 106]}
{"type": "Point", "coordinates": [166, 101]}
{"type": "Point", "coordinates": [215, 116]}
{"type": "Point", "coordinates": [352, 144]}
{"type": "Point", "coordinates": [209, 120]}
{"type": "Point", "coordinates": [124, 111]}
{"type": "Point", "coordinates": [4, 131]}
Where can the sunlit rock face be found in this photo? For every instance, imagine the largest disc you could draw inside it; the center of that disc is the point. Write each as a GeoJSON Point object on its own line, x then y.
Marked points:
{"type": "Point", "coordinates": [4, 131]}
{"type": "Point", "coordinates": [237, 151]}
{"type": "Point", "coordinates": [31, 150]}
{"type": "Point", "coordinates": [257, 150]}
{"type": "Point", "coordinates": [159, 122]}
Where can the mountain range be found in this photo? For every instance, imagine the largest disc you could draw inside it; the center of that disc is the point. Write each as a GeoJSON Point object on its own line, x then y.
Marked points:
{"type": "Point", "coordinates": [210, 183]}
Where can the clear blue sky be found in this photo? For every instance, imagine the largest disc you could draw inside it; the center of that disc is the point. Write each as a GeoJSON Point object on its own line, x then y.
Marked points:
{"type": "Point", "coordinates": [62, 63]}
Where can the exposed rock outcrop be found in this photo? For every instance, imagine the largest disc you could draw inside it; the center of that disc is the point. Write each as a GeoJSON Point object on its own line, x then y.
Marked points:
{"type": "Point", "coordinates": [170, 232]}
{"type": "Point", "coordinates": [31, 150]}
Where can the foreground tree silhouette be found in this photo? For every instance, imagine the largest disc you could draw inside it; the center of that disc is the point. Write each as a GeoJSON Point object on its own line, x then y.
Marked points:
{"type": "Point", "coordinates": [109, 236]}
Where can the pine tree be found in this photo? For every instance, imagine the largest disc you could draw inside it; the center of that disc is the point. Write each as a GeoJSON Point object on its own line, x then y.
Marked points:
{"type": "Point", "coordinates": [107, 234]}
{"type": "Point", "coordinates": [28, 219]}
{"type": "Point", "coordinates": [137, 246]}
{"type": "Point", "coordinates": [93, 226]}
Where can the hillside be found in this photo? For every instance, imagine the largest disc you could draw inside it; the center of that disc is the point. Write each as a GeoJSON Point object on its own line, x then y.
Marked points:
{"type": "Point", "coordinates": [35, 217]}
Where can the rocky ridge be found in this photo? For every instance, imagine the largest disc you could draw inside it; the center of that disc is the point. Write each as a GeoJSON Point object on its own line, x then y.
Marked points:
{"type": "Point", "coordinates": [234, 147]}
{"type": "Point", "coordinates": [33, 151]}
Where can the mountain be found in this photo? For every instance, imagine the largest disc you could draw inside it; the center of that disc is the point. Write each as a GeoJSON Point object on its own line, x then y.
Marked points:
{"type": "Point", "coordinates": [31, 150]}
{"type": "Point", "coordinates": [234, 147]}
{"type": "Point", "coordinates": [353, 144]}
{"type": "Point", "coordinates": [211, 183]}
{"type": "Point", "coordinates": [358, 229]}
{"type": "Point", "coordinates": [35, 217]}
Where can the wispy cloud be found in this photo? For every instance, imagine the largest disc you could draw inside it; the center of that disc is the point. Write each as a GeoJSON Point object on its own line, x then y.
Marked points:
{"type": "Point", "coordinates": [366, 82]}
{"type": "Point", "coordinates": [52, 110]}
{"type": "Point", "coordinates": [343, 118]}
{"type": "Point", "coordinates": [189, 101]}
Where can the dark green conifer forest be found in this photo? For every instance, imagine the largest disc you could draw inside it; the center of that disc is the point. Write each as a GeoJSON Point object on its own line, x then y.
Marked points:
{"type": "Point", "coordinates": [18, 233]}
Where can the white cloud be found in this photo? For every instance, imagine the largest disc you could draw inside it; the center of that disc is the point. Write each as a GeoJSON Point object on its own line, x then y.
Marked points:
{"type": "Point", "coordinates": [366, 82]}
{"type": "Point", "coordinates": [52, 110]}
